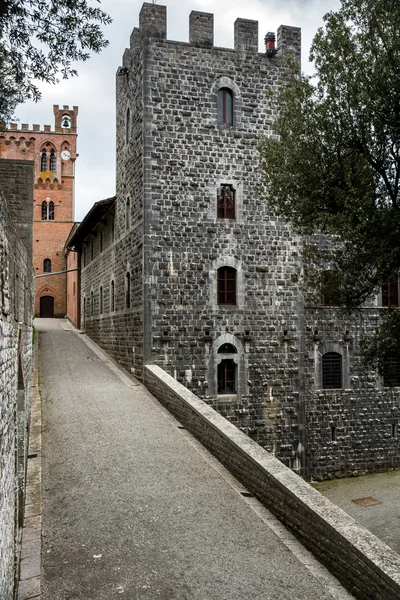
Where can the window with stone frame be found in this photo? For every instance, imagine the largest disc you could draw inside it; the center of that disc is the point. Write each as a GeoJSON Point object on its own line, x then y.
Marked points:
{"type": "Point", "coordinates": [226, 202]}
{"type": "Point", "coordinates": [390, 292]}
{"type": "Point", "coordinates": [91, 303]}
{"type": "Point", "coordinates": [47, 265]}
{"type": "Point", "coordinates": [225, 107]}
{"type": "Point", "coordinates": [101, 300]}
{"type": "Point", "coordinates": [47, 210]}
{"type": "Point", "coordinates": [332, 371]}
{"type": "Point", "coordinates": [391, 371]}
{"type": "Point", "coordinates": [227, 376]}
{"type": "Point", "coordinates": [226, 286]}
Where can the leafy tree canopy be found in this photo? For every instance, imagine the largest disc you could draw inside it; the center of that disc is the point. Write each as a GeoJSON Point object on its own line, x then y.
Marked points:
{"type": "Point", "coordinates": [40, 41]}
{"type": "Point", "coordinates": [333, 165]}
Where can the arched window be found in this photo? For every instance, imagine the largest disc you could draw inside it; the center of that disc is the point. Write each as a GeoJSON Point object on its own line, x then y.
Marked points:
{"type": "Point", "coordinates": [44, 211]}
{"type": "Point", "coordinates": [128, 214]}
{"type": "Point", "coordinates": [391, 371]}
{"type": "Point", "coordinates": [112, 296]}
{"type": "Point", "coordinates": [47, 265]}
{"type": "Point", "coordinates": [227, 377]}
{"type": "Point", "coordinates": [101, 299]}
{"type": "Point", "coordinates": [128, 290]}
{"type": "Point", "coordinates": [127, 125]}
{"type": "Point", "coordinates": [226, 286]}
{"type": "Point", "coordinates": [66, 122]}
{"type": "Point", "coordinates": [227, 349]}
{"type": "Point", "coordinates": [52, 161]}
{"type": "Point", "coordinates": [91, 303]}
{"type": "Point", "coordinates": [43, 161]}
{"type": "Point", "coordinates": [51, 210]}
{"type": "Point", "coordinates": [332, 371]}
{"type": "Point", "coordinates": [225, 107]}
{"type": "Point", "coordinates": [226, 202]}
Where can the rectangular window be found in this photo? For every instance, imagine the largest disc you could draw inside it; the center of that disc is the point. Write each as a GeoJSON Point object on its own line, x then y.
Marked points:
{"type": "Point", "coordinates": [226, 282]}
{"type": "Point", "coordinates": [390, 292]}
{"type": "Point", "coordinates": [226, 202]}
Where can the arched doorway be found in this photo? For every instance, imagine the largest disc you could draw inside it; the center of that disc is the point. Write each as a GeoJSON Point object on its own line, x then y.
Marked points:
{"type": "Point", "coordinates": [47, 307]}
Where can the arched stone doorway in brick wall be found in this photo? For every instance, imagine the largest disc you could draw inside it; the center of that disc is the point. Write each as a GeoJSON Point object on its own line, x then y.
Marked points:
{"type": "Point", "coordinates": [47, 307]}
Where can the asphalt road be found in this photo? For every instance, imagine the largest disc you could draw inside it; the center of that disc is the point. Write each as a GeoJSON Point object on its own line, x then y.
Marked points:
{"type": "Point", "coordinates": [133, 510]}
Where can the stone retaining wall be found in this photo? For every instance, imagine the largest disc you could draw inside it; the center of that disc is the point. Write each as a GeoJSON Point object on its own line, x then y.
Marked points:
{"type": "Point", "coordinates": [366, 566]}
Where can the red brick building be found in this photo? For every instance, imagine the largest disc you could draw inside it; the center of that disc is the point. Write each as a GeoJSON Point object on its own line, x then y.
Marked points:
{"type": "Point", "coordinates": [54, 153]}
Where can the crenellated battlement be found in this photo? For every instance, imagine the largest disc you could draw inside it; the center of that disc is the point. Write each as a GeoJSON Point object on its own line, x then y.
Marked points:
{"type": "Point", "coordinates": [153, 24]}
{"type": "Point", "coordinates": [64, 122]}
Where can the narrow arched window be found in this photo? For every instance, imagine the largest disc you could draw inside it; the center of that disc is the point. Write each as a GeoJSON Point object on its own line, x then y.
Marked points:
{"type": "Point", "coordinates": [52, 161]}
{"type": "Point", "coordinates": [332, 371]}
{"type": "Point", "coordinates": [47, 265]}
{"type": "Point", "coordinates": [112, 297]}
{"type": "Point", "coordinates": [128, 214]}
{"type": "Point", "coordinates": [128, 290]}
{"type": "Point", "coordinates": [227, 377]}
{"type": "Point", "coordinates": [51, 211]}
{"type": "Point", "coordinates": [101, 299]}
{"type": "Point", "coordinates": [127, 125]}
{"type": "Point", "coordinates": [45, 214]}
{"type": "Point", "coordinates": [226, 202]}
{"type": "Point", "coordinates": [225, 107]}
{"type": "Point", "coordinates": [43, 161]}
{"type": "Point", "coordinates": [226, 286]}
{"type": "Point", "coordinates": [91, 303]}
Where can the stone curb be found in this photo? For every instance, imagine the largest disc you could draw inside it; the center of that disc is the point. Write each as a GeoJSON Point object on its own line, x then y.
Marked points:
{"type": "Point", "coordinates": [30, 567]}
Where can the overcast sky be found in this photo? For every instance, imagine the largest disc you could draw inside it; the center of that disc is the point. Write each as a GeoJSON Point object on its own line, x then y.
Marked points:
{"type": "Point", "coordinates": [94, 90]}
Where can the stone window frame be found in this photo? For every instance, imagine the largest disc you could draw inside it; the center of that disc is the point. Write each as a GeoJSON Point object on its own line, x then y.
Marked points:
{"type": "Point", "coordinates": [227, 286]}
{"type": "Point", "coordinates": [324, 348]}
{"type": "Point", "coordinates": [227, 83]}
{"type": "Point", "coordinates": [47, 210]}
{"type": "Point", "coordinates": [227, 261]}
{"type": "Point", "coordinates": [240, 361]}
{"type": "Point", "coordinates": [212, 192]}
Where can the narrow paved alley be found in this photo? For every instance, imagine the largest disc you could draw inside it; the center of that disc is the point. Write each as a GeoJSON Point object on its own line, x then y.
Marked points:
{"type": "Point", "coordinates": [134, 509]}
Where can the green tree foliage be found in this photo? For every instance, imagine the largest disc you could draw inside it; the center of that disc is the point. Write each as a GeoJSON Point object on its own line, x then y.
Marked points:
{"type": "Point", "coordinates": [333, 165]}
{"type": "Point", "coordinates": [40, 41]}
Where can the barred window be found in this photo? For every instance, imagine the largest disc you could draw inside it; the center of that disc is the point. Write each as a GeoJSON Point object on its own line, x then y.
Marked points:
{"type": "Point", "coordinates": [331, 371]}
{"type": "Point", "coordinates": [225, 107]}
{"type": "Point", "coordinates": [226, 202]}
{"type": "Point", "coordinates": [227, 377]}
{"type": "Point", "coordinates": [391, 371]}
{"type": "Point", "coordinates": [226, 285]}
{"type": "Point", "coordinates": [390, 293]}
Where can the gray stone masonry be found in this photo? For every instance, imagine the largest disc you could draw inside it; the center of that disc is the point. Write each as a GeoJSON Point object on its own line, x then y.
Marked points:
{"type": "Point", "coordinates": [167, 244]}
{"type": "Point", "coordinates": [16, 306]}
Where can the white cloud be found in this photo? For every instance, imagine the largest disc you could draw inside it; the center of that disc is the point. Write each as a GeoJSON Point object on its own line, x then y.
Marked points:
{"type": "Point", "coordinates": [94, 90]}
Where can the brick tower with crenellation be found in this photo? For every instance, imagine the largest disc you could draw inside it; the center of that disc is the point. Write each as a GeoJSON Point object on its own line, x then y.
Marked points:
{"type": "Point", "coordinates": [54, 153]}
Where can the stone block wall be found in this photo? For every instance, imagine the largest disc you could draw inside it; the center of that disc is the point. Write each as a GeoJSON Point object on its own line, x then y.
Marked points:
{"type": "Point", "coordinates": [368, 568]}
{"type": "Point", "coordinates": [16, 306]}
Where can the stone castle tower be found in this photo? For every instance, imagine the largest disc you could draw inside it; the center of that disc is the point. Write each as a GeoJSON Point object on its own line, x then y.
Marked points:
{"type": "Point", "coordinates": [186, 268]}
{"type": "Point", "coordinates": [53, 152]}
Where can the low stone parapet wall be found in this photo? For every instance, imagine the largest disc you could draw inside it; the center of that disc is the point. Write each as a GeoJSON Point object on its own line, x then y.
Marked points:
{"type": "Point", "coordinates": [366, 566]}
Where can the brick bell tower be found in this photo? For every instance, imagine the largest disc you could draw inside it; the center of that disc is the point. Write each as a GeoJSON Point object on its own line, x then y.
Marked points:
{"type": "Point", "coordinates": [53, 152]}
